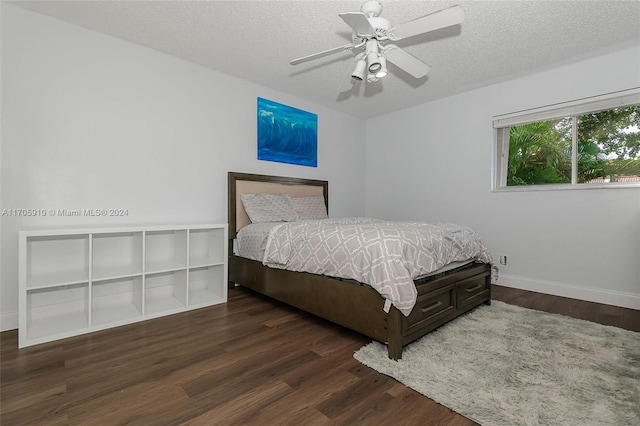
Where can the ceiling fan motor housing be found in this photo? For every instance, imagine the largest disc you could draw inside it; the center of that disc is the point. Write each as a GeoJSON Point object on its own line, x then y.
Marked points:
{"type": "Point", "coordinates": [371, 8]}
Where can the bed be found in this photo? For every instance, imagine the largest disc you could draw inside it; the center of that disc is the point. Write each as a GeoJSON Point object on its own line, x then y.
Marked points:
{"type": "Point", "coordinates": [441, 296]}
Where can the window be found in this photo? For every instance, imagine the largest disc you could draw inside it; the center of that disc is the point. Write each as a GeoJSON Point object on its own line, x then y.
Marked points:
{"type": "Point", "coordinates": [592, 142]}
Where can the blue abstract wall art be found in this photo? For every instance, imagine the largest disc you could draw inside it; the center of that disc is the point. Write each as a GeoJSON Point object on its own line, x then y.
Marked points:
{"type": "Point", "coordinates": [287, 134]}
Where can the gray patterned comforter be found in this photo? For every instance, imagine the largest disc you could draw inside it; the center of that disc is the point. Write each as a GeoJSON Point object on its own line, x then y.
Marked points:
{"type": "Point", "coordinates": [386, 255]}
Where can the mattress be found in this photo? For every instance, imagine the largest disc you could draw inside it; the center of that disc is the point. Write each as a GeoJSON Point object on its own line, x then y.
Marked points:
{"type": "Point", "coordinates": [251, 240]}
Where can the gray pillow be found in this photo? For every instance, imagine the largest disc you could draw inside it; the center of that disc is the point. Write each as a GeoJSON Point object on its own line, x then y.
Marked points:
{"type": "Point", "coordinates": [268, 207]}
{"type": "Point", "coordinates": [310, 207]}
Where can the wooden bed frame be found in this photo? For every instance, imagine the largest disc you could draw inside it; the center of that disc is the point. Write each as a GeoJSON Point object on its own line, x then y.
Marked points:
{"type": "Point", "coordinates": [441, 297]}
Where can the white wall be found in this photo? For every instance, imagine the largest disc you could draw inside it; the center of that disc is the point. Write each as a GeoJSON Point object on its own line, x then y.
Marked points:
{"type": "Point", "coordinates": [90, 121]}
{"type": "Point", "coordinates": [576, 243]}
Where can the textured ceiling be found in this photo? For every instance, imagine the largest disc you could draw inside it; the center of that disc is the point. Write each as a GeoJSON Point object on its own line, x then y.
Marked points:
{"type": "Point", "coordinates": [255, 40]}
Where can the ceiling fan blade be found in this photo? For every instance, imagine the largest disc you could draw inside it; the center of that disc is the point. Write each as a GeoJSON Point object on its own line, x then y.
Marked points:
{"type": "Point", "coordinates": [406, 62]}
{"type": "Point", "coordinates": [358, 22]}
{"type": "Point", "coordinates": [322, 54]}
{"type": "Point", "coordinates": [434, 21]}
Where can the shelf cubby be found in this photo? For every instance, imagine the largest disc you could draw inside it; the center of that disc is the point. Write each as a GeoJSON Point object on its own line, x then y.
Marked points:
{"type": "Point", "coordinates": [116, 255]}
{"type": "Point", "coordinates": [57, 260]}
{"type": "Point", "coordinates": [207, 285]}
{"type": "Point", "coordinates": [206, 247]}
{"type": "Point", "coordinates": [165, 291]}
{"type": "Point", "coordinates": [115, 301]}
{"type": "Point", "coordinates": [165, 250]}
{"type": "Point", "coordinates": [54, 311]}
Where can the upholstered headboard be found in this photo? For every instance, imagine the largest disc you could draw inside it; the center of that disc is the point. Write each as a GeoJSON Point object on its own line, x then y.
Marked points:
{"type": "Point", "coordinates": [246, 183]}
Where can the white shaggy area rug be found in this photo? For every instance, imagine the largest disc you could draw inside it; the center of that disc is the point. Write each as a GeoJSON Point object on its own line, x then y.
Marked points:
{"type": "Point", "coordinates": [507, 365]}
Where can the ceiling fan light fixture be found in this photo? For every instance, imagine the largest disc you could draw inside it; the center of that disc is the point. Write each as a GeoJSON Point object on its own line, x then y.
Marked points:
{"type": "Point", "coordinates": [383, 67]}
{"type": "Point", "coordinates": [373, 59]}
{"type": "Point", "coordinates": [359, 70]}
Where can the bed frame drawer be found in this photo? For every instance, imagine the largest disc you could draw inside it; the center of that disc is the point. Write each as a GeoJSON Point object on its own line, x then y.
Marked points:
{"type": "Point", "coordinates": [431, 308]}
{"type": "Point", "coordinates": [472, 288]}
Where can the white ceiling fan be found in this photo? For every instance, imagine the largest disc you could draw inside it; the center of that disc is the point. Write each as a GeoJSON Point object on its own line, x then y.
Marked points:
{"type": "Point", "coordinates": [373, 34]}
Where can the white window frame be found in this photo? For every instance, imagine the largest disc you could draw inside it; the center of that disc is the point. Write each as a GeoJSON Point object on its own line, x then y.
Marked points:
{"type": "Point", "coordinates": [572, 109]}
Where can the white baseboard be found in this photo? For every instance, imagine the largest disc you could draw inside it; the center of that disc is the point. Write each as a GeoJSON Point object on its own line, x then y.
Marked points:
{"type": "Point", "coordinates": [9, 321]}
{"type": "Point", "coordinates": [607, 297]}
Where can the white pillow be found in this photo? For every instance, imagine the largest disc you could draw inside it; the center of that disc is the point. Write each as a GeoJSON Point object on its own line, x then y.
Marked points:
{"type": "Point", "coordinates": [310, 207]}
{"type": "Point", "coordinates": [268, 207]}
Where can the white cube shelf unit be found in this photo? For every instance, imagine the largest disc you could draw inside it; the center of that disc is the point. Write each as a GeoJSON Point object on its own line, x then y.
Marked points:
{"type": "Point", "coordinates": [78, 281]}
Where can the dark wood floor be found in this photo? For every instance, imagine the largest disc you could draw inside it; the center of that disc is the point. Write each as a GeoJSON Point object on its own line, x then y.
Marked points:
{"type": "Point", "coordinates": [250, 361]}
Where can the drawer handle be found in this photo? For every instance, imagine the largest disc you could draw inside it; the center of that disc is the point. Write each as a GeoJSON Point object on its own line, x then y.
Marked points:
{"type": "Point", "coordinates": [474, 288]}
{"type": "Point", "coordinates": [431, 307]}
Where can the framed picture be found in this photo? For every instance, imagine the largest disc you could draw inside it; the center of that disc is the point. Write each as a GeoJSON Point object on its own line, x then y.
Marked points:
{"type": "Point", "coordinates": [287, 134]}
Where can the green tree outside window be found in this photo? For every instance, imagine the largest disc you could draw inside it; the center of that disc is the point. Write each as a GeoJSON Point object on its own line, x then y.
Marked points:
{"type": "Point", "coordinates": [608, 148]}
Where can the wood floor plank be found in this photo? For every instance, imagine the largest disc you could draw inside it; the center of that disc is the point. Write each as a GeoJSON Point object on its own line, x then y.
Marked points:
{"type": "Point", "coordinates": [429, 412]}
{"type": "Point", "coordinates": [305, 416]}
{"type": "Point", "coordinates": [311, 389]}
{"type": "Point", "coordinates": [129, 405]}
{"type": "Point", "coordinates": [245, 405]}
{"type": "Point", "coordinates": [47, 411]}
{"type": "Point", "coordinates": [360, 393]}
{"type": "Point", "coordinates": [369, 412]}
{"type": "Point", "coordinates": [128, 370]}
{"type": "Point", "coordinates": [250, 361]}
{"type": "Point", "coordinates": [631, 320]}
{"type": "Point", "coordinates": [24, 395]}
